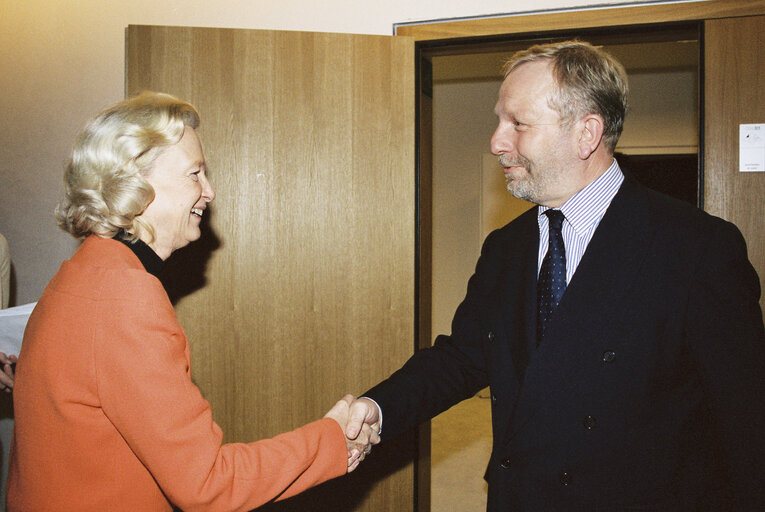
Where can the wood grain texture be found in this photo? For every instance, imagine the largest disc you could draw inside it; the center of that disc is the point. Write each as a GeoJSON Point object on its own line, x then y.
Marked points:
{"type": "Point", "coordinates": [734, 71]}
{"type": "Point", "coordinates": [583, 19]}
{"type": "Point", "coordinates": [425, 276]}
{"type": "Point", "coordinates": [308, 251]}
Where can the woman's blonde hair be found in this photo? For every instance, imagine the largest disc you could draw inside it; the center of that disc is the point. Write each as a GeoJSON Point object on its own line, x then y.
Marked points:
{"type": "Point", "coordinates": [105, 187]}
{"type": "Point", "coordinates": [589, 81]}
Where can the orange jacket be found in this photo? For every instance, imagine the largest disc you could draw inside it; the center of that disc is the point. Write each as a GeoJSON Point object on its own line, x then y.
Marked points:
{"type": "Point", "coordinates": [107, 417]}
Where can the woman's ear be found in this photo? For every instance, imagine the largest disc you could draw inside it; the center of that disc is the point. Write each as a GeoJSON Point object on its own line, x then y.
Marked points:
{"type": "Point", "coordinates": [590, 135]}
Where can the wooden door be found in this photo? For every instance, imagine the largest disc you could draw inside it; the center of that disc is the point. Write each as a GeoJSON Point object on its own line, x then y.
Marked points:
{"type": "Point", "coordinates": [302, 288]}
{"type": "Point", "coordinates": [734, 76]}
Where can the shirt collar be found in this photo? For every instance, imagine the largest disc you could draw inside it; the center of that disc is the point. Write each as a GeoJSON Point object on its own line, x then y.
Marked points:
{"type": "Point", "coordinates": [590, 204]}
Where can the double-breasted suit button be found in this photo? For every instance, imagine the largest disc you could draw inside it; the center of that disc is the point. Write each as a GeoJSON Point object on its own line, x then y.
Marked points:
{"type": "Point", "coordinates": [589, 422]}
{"type": "Point", "coordinates": [505, 464]}
{"type": "Point", "coordinates": [608, 356]}
{"type": "Point", "coordinates": [565, 478]}
{"type": "Point", "coordinates": [490, 336]}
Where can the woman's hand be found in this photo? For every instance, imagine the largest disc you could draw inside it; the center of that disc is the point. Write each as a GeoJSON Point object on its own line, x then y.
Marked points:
{"type": "Point", "coordinates": [361, 445]}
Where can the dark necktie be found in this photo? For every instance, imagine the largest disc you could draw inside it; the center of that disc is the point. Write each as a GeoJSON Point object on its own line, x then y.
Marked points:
{"type": "Point", "coordinates": [552, 274]}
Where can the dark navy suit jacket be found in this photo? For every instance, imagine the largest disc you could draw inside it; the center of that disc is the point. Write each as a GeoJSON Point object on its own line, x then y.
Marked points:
{"type": "Point", "coordinates": [647, 391]}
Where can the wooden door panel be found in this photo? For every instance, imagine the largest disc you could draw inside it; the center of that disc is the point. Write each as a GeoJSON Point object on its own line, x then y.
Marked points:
{"type": "Point", "coordinates": [734, 71]}
{"type": "Point", "coordinates": [302, 288]}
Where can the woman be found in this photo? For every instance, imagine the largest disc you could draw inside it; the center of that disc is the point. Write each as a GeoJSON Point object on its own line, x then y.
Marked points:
{"type": "Point", "coordinates": [5, 272]}
{"type": "Point", "coordinates": [6, 361]}
{"type": "Point", "coordinates": [107, 417]}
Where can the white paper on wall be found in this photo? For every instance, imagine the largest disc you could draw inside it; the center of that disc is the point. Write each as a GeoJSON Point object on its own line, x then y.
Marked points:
{"type": "Point", "coordinates": [751, 148]}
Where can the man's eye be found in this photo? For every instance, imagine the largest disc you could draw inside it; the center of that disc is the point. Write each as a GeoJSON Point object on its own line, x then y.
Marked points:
{"type": "Point", "coordinates": [195, 176]}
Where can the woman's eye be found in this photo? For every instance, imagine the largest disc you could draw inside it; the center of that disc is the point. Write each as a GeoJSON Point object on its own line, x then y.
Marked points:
{"type": "Point", "coordinates": [195, 176]}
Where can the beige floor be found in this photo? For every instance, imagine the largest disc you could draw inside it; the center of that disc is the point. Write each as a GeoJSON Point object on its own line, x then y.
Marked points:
{"type": "Point", "coordinates": [460, 448]}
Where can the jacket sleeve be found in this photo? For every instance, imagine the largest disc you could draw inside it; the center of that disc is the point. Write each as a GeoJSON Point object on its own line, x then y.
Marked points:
{"type": "Point", "coordinates": [725, 332]}
{"type": "Point", "coordinates": [142, 371]}
{"type": "Point", "coordinates": [454, 368]}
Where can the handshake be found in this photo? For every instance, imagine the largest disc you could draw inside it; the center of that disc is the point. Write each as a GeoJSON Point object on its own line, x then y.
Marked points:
{"type": "Point", "coordinates": [360, 420]}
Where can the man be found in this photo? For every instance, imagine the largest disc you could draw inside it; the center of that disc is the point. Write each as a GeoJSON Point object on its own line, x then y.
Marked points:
{"type": "Point", "coordinates": [619, 330]}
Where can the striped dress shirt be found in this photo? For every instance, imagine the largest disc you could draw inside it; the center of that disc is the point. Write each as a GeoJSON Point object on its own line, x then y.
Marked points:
{"type": "Point", "coordinates": [582, 213]}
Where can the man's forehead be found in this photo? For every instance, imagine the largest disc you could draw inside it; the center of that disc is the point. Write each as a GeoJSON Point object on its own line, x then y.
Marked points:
{"type": "Point", "coordinates": [539, 71]}
{"type": "Point", "coordinates": [522, 86]}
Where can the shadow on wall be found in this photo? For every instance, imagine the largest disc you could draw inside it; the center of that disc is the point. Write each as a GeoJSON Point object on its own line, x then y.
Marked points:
{"type": "Point", "coordinates": [674, 175]}
{"type": "Point", "coordinates": [185, 270]}
{"type": "Point", "coordinates": [12, 287]}
{"type": "Point", "coordinates": [349, 493]}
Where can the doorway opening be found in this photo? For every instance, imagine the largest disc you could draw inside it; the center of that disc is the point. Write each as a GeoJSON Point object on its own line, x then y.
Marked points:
{"type": "Point", "coordinates": [463, 196]}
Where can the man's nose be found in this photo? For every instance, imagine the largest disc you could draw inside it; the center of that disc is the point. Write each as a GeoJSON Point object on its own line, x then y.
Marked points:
{"type": "Point", "coordinates": [501, 141]}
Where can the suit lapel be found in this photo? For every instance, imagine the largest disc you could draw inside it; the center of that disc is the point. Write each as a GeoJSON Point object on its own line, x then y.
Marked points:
{"type": "Point", "coordinates": [513, 306]}
{"type": "Point", "coordinates": [519, 292]}
{"type": "Point", "coordinates": [609, 267]}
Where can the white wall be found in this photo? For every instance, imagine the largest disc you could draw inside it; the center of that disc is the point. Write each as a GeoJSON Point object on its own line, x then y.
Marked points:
{"type": "Point", "coordinates": [62, 61]}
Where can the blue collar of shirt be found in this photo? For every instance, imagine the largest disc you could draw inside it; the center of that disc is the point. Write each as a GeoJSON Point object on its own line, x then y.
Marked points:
{"type": "Point", "coordinates": [588, 206]}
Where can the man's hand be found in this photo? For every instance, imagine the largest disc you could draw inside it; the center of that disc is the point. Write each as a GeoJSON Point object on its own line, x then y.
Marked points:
{"type": "Point", "coordinates": [363, 412]}
{"type": "Point", "coordinates": [364, 437]}
{"type": "Point", "coordinates": [364, 420]}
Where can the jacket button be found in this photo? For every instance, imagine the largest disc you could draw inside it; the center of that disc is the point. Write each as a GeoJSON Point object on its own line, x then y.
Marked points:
{"type": "Point", "coordinates": [608, 356]}
{"type": "Point", "coordinates": [490, 336]}
{"type": "Point", "coordinates": [493, 399]}
{"type": "Point", "coordinates": [589, 422]}
{"type": "Point", "coordinates": [505, 464]}
{"type": "Point", "coordinates": [565, 478]}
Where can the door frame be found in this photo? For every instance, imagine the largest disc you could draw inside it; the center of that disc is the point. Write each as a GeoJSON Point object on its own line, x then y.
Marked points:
{"type": "Point", "coordinates": [451, 31]}
{"type": "Point", "coordinates": [453, 37]}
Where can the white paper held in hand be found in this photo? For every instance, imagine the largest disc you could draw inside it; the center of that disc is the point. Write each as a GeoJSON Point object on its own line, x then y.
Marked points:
{"type": "Point", "coordinates": [12, 324]}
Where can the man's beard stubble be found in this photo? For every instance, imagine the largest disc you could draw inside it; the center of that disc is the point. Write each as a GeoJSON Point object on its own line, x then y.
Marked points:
{"type": "Point", "coordinates": [525, 188]}
{"type": "Point", "coordinates": [540, 180]}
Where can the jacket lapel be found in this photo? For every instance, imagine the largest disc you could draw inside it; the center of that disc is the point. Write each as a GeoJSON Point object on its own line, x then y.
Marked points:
{"type": "Point", "coordinates": [511, 307]}
{"type": "Point", "coordinates": [608, 269]}
{"type": "Point", "coordinates": [519, 292]}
